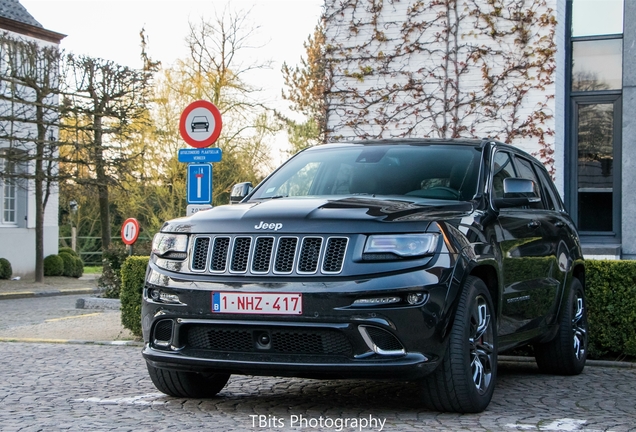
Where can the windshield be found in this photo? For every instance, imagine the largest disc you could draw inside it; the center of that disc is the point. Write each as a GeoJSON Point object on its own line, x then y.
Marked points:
{"type": "Point", "coordinates": [429, 171]}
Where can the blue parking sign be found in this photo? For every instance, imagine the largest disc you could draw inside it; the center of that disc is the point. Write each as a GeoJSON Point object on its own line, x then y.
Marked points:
{"type": "Point", "coordinates": [199, 188]}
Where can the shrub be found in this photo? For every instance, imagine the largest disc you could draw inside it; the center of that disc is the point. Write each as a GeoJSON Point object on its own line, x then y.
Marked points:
{"type": "Point", "coordinates": [133, 274]}
{"type": "Point", "coordinates": [5, 269]}
{"type": "Point", "coordinates": [73, 264]}
{"type": "Point", "coordinates": [78, 267]}
{"type": "Point", "coordinates": [110, 280]}
{"type": "Point", "coordinates": [67, 250]}
{"type": "Point", "coordinates": [67, 258]}
{"type": "Point", "coordinates": [611, 299]}
{"type": "Point", "coordinates": [53, 265]}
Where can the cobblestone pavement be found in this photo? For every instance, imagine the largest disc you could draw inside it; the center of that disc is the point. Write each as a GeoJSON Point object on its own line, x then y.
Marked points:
{"type": "Point", "coordinates": [52, 387]}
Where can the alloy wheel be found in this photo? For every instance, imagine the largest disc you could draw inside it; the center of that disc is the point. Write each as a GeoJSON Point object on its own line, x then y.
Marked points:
{"type": "Point", "coordinates": [579, 327]}
{"type": "Point", "coordinates": [481, 345]}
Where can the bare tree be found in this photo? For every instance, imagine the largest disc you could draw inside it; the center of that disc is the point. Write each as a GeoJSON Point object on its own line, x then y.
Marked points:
{"type": "Point", "coordinates": [218, 69]}
{"type": "Point", "coordinates": [105, 104]}
{"type": "Point", "coordinates": [29, 113]}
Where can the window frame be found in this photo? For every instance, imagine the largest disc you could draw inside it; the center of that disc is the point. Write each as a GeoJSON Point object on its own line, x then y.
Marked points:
{"type": "Point", "coordinates": [3, 192]}
{"type": "Point", "coordinates": [572, 201]}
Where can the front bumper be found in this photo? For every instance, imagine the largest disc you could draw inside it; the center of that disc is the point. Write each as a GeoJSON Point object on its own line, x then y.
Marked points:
{"type": "Point", "coordinates": [331, 339]}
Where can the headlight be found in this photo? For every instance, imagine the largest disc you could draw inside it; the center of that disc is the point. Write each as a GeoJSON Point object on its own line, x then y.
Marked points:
{"type": "Point", "coordinates": [171, 246]}
{"type": "Point", "coordinates": [403, 245]}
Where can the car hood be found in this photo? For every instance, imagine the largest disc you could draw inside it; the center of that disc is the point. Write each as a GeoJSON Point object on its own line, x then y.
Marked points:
{"type": "Point", "coordinates": [319, 215]}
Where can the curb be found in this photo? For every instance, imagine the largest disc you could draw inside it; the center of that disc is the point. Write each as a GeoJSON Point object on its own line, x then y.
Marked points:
{"type": "Point", "coordinates": [72, 342]}
{"type": "Point", "coordinates": [49, 293]}
{"type": "Point", "coordinates": [593, 363]}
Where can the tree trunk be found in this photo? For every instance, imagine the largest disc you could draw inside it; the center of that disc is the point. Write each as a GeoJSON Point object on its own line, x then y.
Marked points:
{"type": "Point", "coordinates": [39, 197]}
{"type": "Point", "coordinates": [102, 184]}
{"type": "Point", "coordinates": [39, 216]}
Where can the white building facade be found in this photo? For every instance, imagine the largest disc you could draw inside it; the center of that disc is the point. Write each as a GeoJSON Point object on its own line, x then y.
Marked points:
{"type": "Point", "coordinates": [17, 195]}
{"type": "Point", "coordinates": [548, 76]}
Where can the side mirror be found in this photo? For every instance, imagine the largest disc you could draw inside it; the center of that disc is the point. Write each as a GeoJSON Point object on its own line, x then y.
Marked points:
{"type": "Point", "coordinates": [518, 192]}
{"type": "Point", "coordinates": [240, 191]}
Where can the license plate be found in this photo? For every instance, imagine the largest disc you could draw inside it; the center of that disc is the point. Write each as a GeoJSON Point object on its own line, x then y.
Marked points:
{"type": "Point", "coordinates": [257, 303]}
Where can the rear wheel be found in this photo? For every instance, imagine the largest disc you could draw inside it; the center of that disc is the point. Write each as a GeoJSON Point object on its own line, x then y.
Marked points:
{"type": "Point", "coordinates": [465, 380]}
{"type": "Point", "coordinates": [183, 384]}
{"type": "Point", "coordinates": [567, 352]}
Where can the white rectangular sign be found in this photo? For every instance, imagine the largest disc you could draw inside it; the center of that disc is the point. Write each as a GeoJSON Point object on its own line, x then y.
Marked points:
{"type": "Point", "coordinates": [193, 208]}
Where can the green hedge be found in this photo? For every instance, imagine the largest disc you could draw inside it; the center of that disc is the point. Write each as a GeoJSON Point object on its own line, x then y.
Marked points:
{"type": "Point", "coordinates": [5, 269]}
{"type": "Point", "coordinates": [611, 300]}
{"type": "Point", "coordinates": [133, 274]}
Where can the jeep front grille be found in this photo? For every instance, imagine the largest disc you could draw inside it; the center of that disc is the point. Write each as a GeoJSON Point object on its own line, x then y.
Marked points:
{"type": "Point", "coordinates": [262, 255]}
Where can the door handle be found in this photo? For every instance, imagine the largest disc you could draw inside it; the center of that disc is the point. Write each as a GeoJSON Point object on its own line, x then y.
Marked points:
{"type": "Point", "coordinates": [534, 224]}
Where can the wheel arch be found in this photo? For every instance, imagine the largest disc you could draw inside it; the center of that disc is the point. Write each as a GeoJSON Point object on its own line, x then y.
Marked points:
{"type": "Point", "coordinates": [488, 274]}
{"type": "Point", "coordinates": [579, 273]}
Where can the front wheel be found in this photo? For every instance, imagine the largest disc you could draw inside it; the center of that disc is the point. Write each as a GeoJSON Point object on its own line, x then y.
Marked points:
{"type": "Point", "coordinates": [465, 380]}
{"type": "Point", "coordinates": [567, 352]}
{"type": "Point", "coordinates": [183, 384]}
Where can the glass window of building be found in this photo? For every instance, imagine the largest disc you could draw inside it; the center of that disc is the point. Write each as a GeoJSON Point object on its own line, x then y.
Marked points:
{"type": "Point", "coordinates": [595, 166]}
{"type": "Point", "coordinates": [597, 65]}
{"type": "Point", "coordinates": [597, 17]}
{"type": "Point", "coordinates": [8, 194]}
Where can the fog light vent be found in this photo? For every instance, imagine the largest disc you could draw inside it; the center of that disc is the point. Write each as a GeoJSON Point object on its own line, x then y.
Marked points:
{"type": "Point", "coordinates": [381, 341]}
{"type": "Point", "coordinates": [163, 332]}
{"type": "Point", "coordinates": [384, 340]}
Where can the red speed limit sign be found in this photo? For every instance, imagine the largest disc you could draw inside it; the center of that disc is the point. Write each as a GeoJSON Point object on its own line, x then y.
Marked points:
{"type": "Point", "coordinates": [130, 231]}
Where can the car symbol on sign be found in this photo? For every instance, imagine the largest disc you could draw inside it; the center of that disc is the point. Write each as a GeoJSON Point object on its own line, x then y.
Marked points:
{"type": "Point", "coordinates": [200, 122]}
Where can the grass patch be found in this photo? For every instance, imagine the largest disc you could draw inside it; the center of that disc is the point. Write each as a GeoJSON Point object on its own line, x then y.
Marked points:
{"type": "Point", "coordinates": [93, 270]}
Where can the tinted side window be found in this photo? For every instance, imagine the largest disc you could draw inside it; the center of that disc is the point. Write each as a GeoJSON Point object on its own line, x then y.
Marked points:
{"type": "Point", "coordinates": [502, 169]}
{"type": "Point", "coordinates": [553, 201]}
{"type": "Point", "coordinates": [525, 171]}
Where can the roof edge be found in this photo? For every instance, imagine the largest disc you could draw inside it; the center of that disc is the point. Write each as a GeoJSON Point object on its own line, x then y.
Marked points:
{"type": "Point", "coordinates": [30, 30]}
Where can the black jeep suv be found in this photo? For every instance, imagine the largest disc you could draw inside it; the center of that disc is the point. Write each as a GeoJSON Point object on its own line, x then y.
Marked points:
{"type": "Point", "coordinates": [415, 260]}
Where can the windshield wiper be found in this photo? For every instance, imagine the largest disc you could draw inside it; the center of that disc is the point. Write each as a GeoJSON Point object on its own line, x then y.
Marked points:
{"type": "Point", "coordinates": [273, 197]}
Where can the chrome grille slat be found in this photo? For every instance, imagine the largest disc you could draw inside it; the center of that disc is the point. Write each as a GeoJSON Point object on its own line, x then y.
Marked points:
{"type": "Point", "coordinates": [309, 255]}
{"type": "Point", "coordinates": [240, 254]}
{"type": "Point", "coordinates": [220, 251]}
{"type": "Point", "coordinates": [334, 255]}
{"type": "Point", "coordinates": [285, 254]}
{"type": "Point", "coordinates": [268, 254]}
{"type": "Point", "coordinates": [200, 253]}
{"type": "Point", "coordinates": [262, 254]}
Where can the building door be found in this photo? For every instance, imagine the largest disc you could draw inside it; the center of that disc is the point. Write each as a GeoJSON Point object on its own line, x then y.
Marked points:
{"type": "Point", "coordinates": [595, 173]}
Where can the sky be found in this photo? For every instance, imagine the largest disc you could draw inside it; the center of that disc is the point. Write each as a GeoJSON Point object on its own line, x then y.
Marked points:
{"type": "Point", "coordinates": [109, 29]}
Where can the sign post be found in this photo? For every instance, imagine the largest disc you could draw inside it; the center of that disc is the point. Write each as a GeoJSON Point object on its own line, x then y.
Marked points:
{"type": "Point", "coordinates": [200, 126]}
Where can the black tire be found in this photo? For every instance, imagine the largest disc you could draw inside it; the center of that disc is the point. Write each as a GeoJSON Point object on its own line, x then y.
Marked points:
{"type": "Point", "coordinates": [187, 384]}
{"type": "Point", "coordinates": [465, 380]}
{"type": "Point", "coordinates": [567, 352]}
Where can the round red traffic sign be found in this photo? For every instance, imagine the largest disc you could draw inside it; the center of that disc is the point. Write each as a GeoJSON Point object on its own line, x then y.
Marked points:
{"type": "Point", "coordinates": [200, 124]}
{"type": "Point", "coordinates": [130, 231]}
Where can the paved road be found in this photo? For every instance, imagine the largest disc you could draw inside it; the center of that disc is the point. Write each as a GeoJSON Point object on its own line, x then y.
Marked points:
{"type": "Point", "coordinates": [54, 387]}
{"type": "Point", "coordinates": [29, 311]}
{"type": "Point", "coordinates": [56, 318]}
